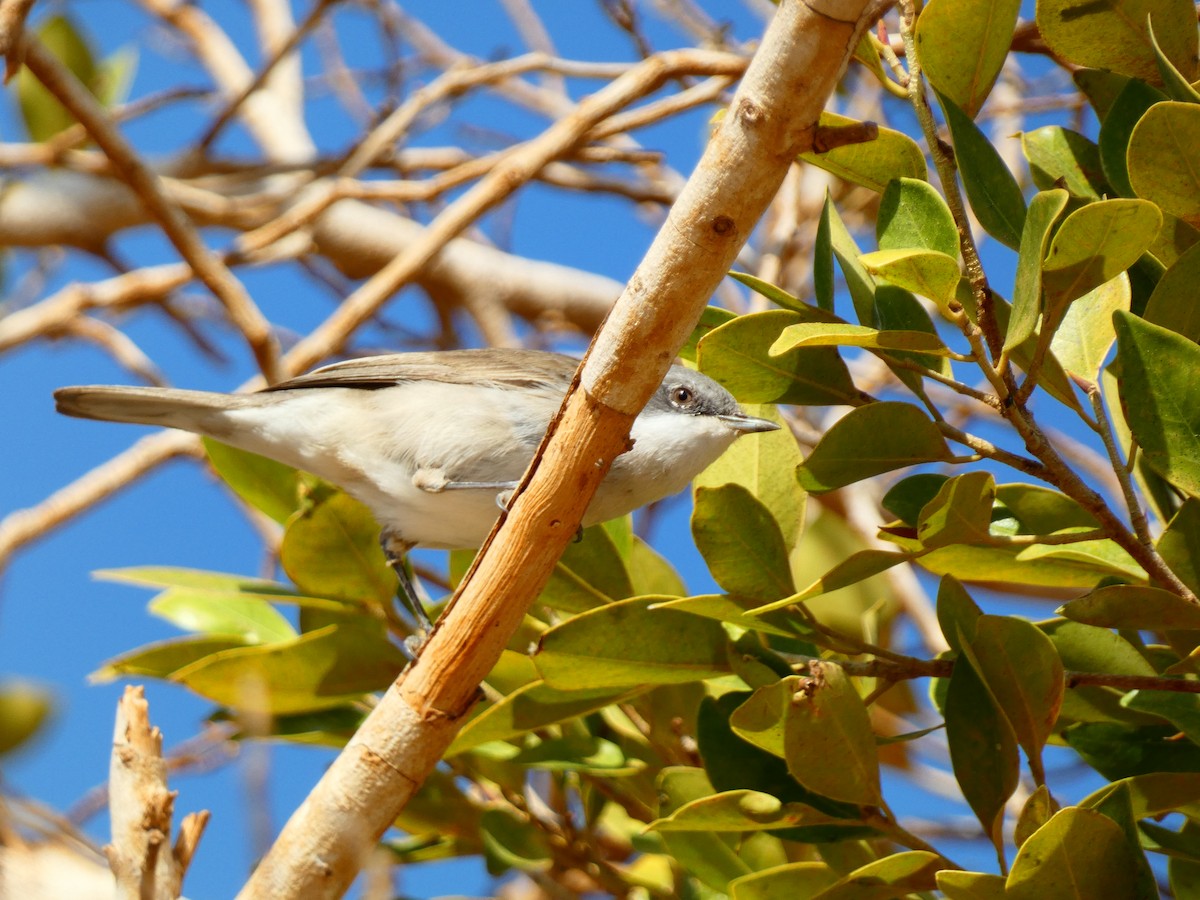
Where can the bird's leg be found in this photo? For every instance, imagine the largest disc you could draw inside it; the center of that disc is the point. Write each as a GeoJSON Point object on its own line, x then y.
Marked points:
{"type": "Point", "coordinates": [395, 549]}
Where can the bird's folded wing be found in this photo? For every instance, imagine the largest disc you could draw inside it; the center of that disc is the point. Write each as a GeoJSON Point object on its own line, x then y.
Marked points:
{"type": "Point", "coordinates": [515, 368]}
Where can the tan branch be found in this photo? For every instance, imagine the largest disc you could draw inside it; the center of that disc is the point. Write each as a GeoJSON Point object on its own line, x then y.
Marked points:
{"type": "Point", "coordinates": [12, 29]}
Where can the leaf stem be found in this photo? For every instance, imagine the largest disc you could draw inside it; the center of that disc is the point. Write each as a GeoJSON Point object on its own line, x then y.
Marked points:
{"type": "Point", "coordinates": [1137, 515]}
{"type": "Point", "coordinates": [943, 161]}
{"type": "Point", "coordinates": [884, 822]}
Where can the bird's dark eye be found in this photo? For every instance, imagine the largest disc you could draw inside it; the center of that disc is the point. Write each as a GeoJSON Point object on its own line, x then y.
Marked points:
{"type": "Point", "coordinates": [682, 396]}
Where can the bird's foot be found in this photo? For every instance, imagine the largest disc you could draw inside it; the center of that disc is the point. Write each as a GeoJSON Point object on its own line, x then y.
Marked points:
{"type": "Point", "coordinates": [395, 550]}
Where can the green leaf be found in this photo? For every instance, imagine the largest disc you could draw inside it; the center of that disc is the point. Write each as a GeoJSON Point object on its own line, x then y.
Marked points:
{"type": "Point", "coordinates": [963, 44]}
{"type": "Point", "coordinates": [823, 286]}
{"type": "Point", "coordinates": [1044, 210]}
{"type": "Point", "coordinates": [1100, 87]}
{"type": "Point", "coordinates": [1184, 874]}
{"type": "Point", "coordinates": [706, 855]}
{"type": "Point", "coordinates": [913, 215]}
{"type": "Point", "coordinates": [960, 512]}
{"type": "Point", "coordinates": [1155, 794]}
{"type": "Point", "coordinates": [1179, 545]}
{"type": "Point", "coordinates": [590, 573]}
{"type": "Point", "coordinates": [1079, 853]}
{"type": "Point", "coordinates": [534, 706]}
{"type": "Point", "coordinates": [1024, 674]}
{"type": "Point", "coordinates": [926, 272]}
{"type": "Point", "coordinates": [114, 76]}
{"type": "Point", "coordinates": [1162, 158]}
{"type": "Point", "coordinates": [870, 163]}
{"type": "Point", "coordinates": [163, 658]}
{"type": "Point", "coordinates": [1173, 304]}
{"type": "Point", "coordinates": [818, 334]}
{"type": "Point", "coordinates": [957, 613]}
{"type": "Point", "coordinates": [907, 497]}
{"type": "Point", "coordinates": [651, 573]}
{"type": "Point", "coordinates": [744, 612]}
{"type": "Point", "coordinates": [1052, 378]}
{"type": "Point", "coordinates": [894, 876]}
{"type": "Point", "coordinates": [1082, 341]}
{"type": "Point", "coordinates": [249, 618]}
{"type": "Point", "coordinates": [859, 282]}
{"type": "Point", "coordinates": [270, 487]}
{"type": "Point", "coordinates": [711, 319]}
{"type": "Point", "coordinates": [1161, 397]}
{"type": "Point", "coordinates": [779, 297]}
{"type": "Point", "coordinates": [1058, 155]}
{"type": "Point", "coordinates": [24, 707]}
{"type": "Point", "coordinates": [1135, 608]}
{"type": "Point", "coordinates": [766, 468]}
{"type": "Point", "coordinates": [1113, 35]}
{"type": "Point", "coordinates": [741, 543]}
{"type": "Point", "coordinates": [331, 548]}
{"type": "Point", "coordinates": [805, 720]}
{"type": "Point", "coordinates": [510, 840]}
{"type": "Point", "coordinates": [854, 569]}
{"type": "Point", "coordinates": [898, 310]}
{"type": "Point", "coordinates": [629, 643]}
{"type": "Point", "coordinates": [958, 885]}
{"type": "Point", "coordinates": [211, 601]}
{"type": "Point", "coordinates": [741, 810]}
{"type": "Point", "coordinates": [1181, 710]}
{"type": "Point", "coordinates": [992, 190]}
{"type": "Point", "coordinates": [870, 440]}
{"type": "Point", "coordinates": [1094, 244]}
{"type": "Point", "coordinates": [734, 764]}
{"type": "Point", "coordinates": [762, 719]}
{"type": "Point", "coordinates": [169, 576]}
{"type": "Point", "coordinates": [1176, 83]}
{"type": "Point", "coordinates": [826, 720]}
{"type": "Point", "coordinates": [1034, 814]}
{"type": "Point", "coordinates": [1128, 107]}
{"type": "Point", "coordinates": [576, 753]}
{"type": "Point", "coordinates": [43, 115]}
{"type": "Point", "coordinates": [736, 354]}
{"type": "Point", "coordinates": [786, 882]}
{"type": "Point", "coordinates": [983, 747]}
{"type": "Point", "coordinates": [1021, 566]}
{"type": "Point", "coordinates": [1086, 648]}
{"type": "Point", "coordinates": [328, 667]}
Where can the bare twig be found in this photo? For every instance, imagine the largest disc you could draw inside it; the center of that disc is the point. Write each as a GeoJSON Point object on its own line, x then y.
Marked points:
{"type": "Point", "coordinates": [207, 266]}
{"type": "Point", "coordinates": [141, 807]}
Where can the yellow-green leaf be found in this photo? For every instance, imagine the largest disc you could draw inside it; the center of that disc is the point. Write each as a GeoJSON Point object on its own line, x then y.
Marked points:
{"type": "Point", "coordinates": [1113, 35]}
{"type": "Point", "coordinates": [870, 440]}
{"type": "Point", "coordinates": [963, 44]}
{"type": "Point", "coordinates": [1163, 162]}
{"type": "Point", "coordinates": [1079, 854]}
{"type": "Point", "coordinates": [926, 272]}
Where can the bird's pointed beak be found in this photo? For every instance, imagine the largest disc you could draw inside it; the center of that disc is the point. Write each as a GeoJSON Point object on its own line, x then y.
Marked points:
{"type": "Point", "coordinates": [744, 424]}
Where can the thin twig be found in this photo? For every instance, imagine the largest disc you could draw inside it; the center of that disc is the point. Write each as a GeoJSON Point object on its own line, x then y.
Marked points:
{"type": "Point", "coordinates": [146, 184]}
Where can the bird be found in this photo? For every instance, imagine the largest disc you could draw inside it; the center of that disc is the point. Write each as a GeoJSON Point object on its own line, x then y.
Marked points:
{"type": "Point", "coordinates": [432, 442]}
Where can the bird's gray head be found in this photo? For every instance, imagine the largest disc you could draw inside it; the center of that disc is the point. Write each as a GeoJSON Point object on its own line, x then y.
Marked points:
{"type": "Point", "coordinates": [688, 423]}
{"type": "Point", "coordinates": [684, 392]}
